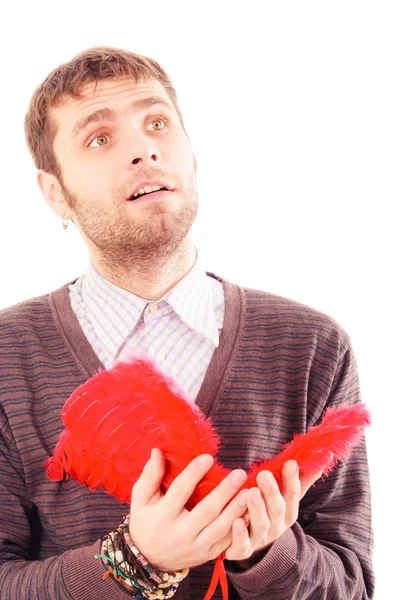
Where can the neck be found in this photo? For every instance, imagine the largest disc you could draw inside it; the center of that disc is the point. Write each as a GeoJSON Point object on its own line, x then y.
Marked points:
{"type": "Point", "coordinates": [157, 278]}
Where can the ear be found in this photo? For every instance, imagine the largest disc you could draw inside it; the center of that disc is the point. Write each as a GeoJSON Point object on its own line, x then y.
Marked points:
{"type": "Point", "coordinates": [53, 194]}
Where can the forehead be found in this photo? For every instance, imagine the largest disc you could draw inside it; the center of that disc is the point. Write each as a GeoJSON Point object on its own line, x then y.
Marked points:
{"type": "Point", "coordinates": [107, 93]}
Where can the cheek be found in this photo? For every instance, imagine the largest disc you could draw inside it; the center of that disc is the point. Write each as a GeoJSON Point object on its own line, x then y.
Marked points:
{"type": "Point", "coordinates": [91, 179]}
{"type": "Point", "coordinates": [184, 158]}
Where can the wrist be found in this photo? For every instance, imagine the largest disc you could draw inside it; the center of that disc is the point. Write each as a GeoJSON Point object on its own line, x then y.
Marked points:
{"type": "Point", "coordinates": [255, 558]}
{"type": "Point", "coordinates": [131, 571]}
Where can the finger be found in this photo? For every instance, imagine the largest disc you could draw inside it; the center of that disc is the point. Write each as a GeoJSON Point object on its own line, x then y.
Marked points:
{"type": "Point", "coordinates": [222, 525]}
{"type": "Point", "coordinates": [307, 481]}
{"type": "Point", "coordinates": [148, 485]}
{"type": "Point", "coordinates": [291, 490]}
{"type": "Point", "coordinates": [213, 504]}
{"type": "Point", "coordinates": [220, 546]}
{"type": "Point", "coordinates": [240, 547]}
{"type": "Point", "coordinates": [259, 520]}
{"type": "Point", "coordinates": [185, 483]}
{"type": "Point", "coordinates": [246, 518]}
{"type": "Point", "coordinates": [274, 501]}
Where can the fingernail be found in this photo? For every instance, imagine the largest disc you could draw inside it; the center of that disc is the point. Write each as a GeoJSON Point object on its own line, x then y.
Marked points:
{"type": "Point", "coordinates": [204, 461]}
{"type": "Point", "coordinates": [238, 477]}
{"type": "Point", "coordinates": [256, 496]}
{"type": "Point", "coordinates": [292, 468]}
{"type": "Point", "coordinates": [265, 479]}
{"type": "Point", "coordinates": [242, 498]}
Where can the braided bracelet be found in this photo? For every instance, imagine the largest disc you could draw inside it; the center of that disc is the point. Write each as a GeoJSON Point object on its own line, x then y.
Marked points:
{"type": "Point", "coordinates": [123, 573]}
{"type": "Point", "coordinates": [158, 576]}
{"type": "Point", "coordinates": [119, 567]}
{"type": "Point", "coordinates": [129, 581]}
{"type": "Point", "coordinates": [131, 571]}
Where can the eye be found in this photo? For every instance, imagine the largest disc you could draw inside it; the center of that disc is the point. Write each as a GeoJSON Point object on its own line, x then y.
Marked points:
{"type": "Point", "coordinates": [160, 120]}
{"type": "Point", "coordinates": [101, 140]}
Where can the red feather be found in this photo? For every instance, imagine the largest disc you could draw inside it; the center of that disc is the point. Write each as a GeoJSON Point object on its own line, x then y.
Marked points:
{"type": "Point", "coordinates": [322, 446]}
{"type": "Point", "coordinates": [115, 419]}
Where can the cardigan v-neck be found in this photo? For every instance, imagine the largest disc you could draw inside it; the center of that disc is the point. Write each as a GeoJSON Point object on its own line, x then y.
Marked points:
{"type": "Point", "coordinates": [220, 363]}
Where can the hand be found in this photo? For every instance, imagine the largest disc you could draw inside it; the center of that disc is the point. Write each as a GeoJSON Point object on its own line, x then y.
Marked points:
{"type": "Point", "coordinates": [271, 513]}
{"type": "Point", "coordinates": [166, 533]}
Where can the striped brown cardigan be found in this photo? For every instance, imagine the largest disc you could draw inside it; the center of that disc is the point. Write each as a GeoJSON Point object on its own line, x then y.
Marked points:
{"type": "Point", "coordinates": [278, 366]}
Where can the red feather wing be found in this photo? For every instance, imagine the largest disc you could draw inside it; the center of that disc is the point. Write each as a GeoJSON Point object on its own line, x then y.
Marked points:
{"type": "Point", "coordinates": [322, 446]}
{"type": "Point", "coordinates": [114, 420]}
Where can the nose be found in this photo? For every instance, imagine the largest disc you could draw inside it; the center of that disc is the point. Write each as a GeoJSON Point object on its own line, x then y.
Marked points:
{"type": "Point", "coordinates": [139, 159]}
{"type": "Point", "coordinates": [144, 151]}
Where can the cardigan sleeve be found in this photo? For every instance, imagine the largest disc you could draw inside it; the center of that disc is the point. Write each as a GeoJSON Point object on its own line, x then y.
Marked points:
{"type": "Point", "coordinates": [74, 575]}
{"type": "Point", "coordinates": [327, 553]}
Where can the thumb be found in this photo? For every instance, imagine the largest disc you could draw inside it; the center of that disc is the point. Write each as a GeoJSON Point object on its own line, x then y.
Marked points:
{"type": "Point", "coordinates": [147, 487]}
{"type": "Point", "coordinates": [306, 481]}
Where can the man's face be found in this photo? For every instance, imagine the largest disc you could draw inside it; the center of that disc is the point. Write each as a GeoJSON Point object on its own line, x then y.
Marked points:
{"type": "Point", "coordinates": [104, 160]}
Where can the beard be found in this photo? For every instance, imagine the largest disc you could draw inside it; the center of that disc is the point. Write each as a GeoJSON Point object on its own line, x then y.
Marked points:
{"type": "Point", "coordinates": [123, 243]}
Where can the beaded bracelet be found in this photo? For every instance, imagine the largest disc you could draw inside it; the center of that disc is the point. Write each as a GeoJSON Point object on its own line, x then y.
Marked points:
{"type": "Point", "coordinates": [125, 574]}
{"type": "Point", "coordinates": [158, 576]}
{"type": "Point", "coordinates": [127, 580]}
{"type": "Point", "coordinates": [131, 571]}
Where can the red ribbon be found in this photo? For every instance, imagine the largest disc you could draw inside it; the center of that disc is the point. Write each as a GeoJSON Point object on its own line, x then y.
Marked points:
{"type": "Point", "coordinates": [218, 576]}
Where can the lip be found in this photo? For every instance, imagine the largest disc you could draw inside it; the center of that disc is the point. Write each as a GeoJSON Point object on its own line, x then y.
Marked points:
{"type": "Point", "coordinates": [160, 195]}
{"type": "Point", "coordinates": [142, 184]}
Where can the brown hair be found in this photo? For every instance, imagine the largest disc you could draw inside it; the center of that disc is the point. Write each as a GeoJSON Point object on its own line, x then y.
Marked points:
{"type": "Point", "coordinates": [67, 80]}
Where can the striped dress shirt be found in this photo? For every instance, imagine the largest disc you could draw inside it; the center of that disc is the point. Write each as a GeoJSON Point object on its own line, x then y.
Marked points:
{"type": "Point", "coordinates": [180, 330]}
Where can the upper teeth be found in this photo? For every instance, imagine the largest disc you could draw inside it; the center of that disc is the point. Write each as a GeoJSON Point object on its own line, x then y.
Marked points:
{"type": "Point", "coordinates": [147, 189]}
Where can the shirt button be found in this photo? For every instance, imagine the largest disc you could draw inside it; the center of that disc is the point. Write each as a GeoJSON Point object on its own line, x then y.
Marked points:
{"type": "Point", "coordinates": [153, 308]}
{"type": "Point", "coordinates": [161, 356]}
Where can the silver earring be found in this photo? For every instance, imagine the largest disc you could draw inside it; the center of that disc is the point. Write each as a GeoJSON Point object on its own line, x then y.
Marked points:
{"type": "Point", "coordinates": [65, 223]}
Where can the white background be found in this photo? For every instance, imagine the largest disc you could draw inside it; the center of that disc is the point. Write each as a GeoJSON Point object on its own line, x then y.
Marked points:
{"type": "Point", "coordinates": [293, 113]}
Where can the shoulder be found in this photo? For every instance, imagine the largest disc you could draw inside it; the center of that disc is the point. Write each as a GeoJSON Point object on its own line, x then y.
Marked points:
{"type": "Point", "coordinates": [23, 311]}
{"type": "Point", "coordinates": [273, 314]}
{"type": "Point", "coordinates": [293, 315]}
{"type": "Point", "coordinates": [281, 306]}
{"type": "Point", "coordinates": [30, 318]}
{"type": "Point", "coordinates": [23, 328]}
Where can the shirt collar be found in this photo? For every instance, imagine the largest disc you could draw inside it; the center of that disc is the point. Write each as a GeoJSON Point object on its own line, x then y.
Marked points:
{"type": "Point", "coordinates": [191, 299]}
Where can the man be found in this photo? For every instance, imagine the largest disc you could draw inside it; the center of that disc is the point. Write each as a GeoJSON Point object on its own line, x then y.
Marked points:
{"type": "Point", "coordinates": [108, 140]}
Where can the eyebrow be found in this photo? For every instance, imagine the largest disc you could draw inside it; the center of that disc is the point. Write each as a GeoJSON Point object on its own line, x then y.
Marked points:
{"type": "Point", "coordinates": [109, 114]}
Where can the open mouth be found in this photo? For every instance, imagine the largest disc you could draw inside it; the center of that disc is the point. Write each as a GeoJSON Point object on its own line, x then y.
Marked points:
{"type": "Point", "coordinates": [149, 195]}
